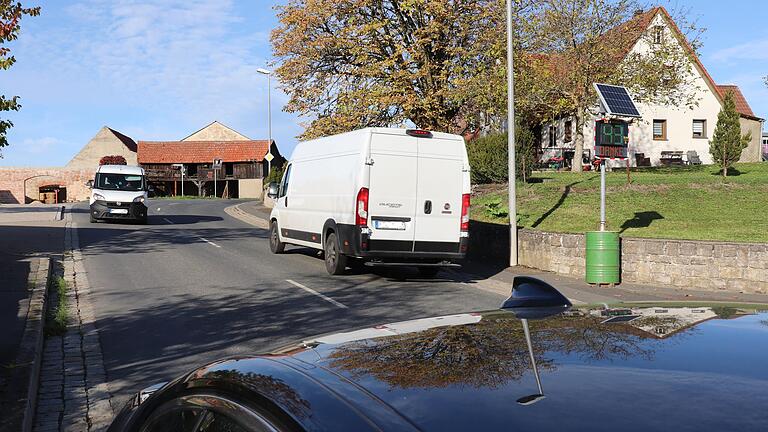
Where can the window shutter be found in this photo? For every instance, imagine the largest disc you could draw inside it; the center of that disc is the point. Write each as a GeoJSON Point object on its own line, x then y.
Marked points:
{"type": "Point", "coordinates": [658, 128]}
{"type": "Point", "coordinates": [698, 127]}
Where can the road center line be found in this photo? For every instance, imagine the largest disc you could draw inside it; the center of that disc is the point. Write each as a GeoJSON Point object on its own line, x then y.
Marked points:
{"type": "Point", "coordinates": [168, 220]}
{"type": "Point", "coordinates": [209, 242]}
{"type": "Point", "coordinates": [311, 291]}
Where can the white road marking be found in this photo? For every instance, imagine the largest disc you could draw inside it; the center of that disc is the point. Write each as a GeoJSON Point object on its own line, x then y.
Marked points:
{"type": "Point", "coordinates": [168, 220]}
{"type": "Point", "coordinates": [311, 291]}
{"type": "Point", "coordinates": [209, 242]}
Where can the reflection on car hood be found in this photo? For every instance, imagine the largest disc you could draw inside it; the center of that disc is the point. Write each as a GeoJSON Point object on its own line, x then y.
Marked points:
{"type": "Point", "coordinates": [644, 368]}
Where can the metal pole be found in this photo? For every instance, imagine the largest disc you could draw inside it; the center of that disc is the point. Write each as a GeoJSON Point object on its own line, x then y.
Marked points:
{"type": "Point", "coordinates": [602, 195]}
{"type": "Point", "coordinates": [513, 261]}
{"type": "Point", "coordinates": [269, 116]}
{"type": "Point", "coordinates": [215, 171]}
{"type": "Point", "coordinates": [182, 179]}
{"type": "Point", "coordinates": [530, 352]}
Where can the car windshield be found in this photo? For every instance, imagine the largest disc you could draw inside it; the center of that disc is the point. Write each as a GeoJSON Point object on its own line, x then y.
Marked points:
{"type": "Point", "coordinates": [124, 182]}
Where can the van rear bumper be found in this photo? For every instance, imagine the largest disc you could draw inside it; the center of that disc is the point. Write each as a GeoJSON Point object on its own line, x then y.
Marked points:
{"type": "Point", "coordinates": [355, 243]}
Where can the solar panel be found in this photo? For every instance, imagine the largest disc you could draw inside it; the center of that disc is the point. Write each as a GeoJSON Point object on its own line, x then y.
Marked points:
{"type": "Point", "coordinates": [616, 100]}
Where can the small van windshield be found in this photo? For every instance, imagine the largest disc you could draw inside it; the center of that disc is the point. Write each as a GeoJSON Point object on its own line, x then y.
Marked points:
{"type": "Point", "coordinates": [124, 182]}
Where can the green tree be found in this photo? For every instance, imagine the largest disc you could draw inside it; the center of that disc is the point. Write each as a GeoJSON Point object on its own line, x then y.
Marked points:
{"type": "Point", "coordinates": [727, 142]}
{"type": "Point", "coordinates": [11, 13]}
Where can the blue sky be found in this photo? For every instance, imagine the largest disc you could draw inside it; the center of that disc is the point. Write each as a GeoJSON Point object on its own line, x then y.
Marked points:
{"type": "Point", "coordinates": [161, 69]}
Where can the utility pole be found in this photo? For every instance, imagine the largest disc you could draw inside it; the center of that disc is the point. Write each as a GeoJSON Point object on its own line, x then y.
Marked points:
{"type": "Point", "coordinates": [513, 261]}
{"type": "Point", "coordinates": [268, 73]}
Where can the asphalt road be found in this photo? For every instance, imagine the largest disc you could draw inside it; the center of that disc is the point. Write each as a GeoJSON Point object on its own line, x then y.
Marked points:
{"type": "Point", "coordinates": [196, 285]}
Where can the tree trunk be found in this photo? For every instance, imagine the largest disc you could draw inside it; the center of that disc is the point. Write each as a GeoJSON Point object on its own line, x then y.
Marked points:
{"type": "Point", "coordinates": [578, 148]}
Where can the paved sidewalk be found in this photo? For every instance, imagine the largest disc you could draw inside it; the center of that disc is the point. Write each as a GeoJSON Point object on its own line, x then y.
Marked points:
{"type": "Point", "coordinates": [498, 278]}
{"type": "Point", "coordinates": [15, 213]}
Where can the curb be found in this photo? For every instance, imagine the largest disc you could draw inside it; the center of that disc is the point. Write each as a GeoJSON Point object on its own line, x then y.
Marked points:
{"type": "Point", "coordinates": [31, 348]}
{"type": "Point", "coordinates": [236, 212]}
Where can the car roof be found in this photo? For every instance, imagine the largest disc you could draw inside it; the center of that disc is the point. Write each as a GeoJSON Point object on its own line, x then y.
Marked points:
{"type": "Point", "coordinates": [121, 169]}
{"type": "Point", "coordinates": [634, 368]}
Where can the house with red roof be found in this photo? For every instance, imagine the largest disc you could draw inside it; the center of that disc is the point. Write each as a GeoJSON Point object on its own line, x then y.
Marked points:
{"type": "Point", "coordinates": [664, 128]}
{"type": "Point", "coordinates": [188, 166]}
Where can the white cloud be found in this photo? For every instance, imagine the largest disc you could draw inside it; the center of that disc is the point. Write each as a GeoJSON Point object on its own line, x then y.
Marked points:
{"type": "Point", "coordinates": [39, 146]}
{"type": "Point", "coordinates": [755, 50]}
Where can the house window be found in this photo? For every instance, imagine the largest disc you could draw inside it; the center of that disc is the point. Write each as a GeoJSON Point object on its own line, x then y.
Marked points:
{"type": "Point", "coordinates": [553, 136]}
{"type": "Point", "coordinates": [658, 34]}
{"type": "Point", "coordinates": [568, 131]}
{"type": "Point", "coordinates": [659, 129]}
{"type": "Point", "coordinates": [699, 128]}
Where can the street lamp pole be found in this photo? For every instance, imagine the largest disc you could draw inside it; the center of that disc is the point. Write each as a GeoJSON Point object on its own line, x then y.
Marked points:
{"type": "Point", "coordinates": [513, 261]}
{"type": "Point", "coordinates": [269, 107]}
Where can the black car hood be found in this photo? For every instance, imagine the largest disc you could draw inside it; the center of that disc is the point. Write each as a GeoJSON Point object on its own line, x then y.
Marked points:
{"type": "Point", "coordinates": [673, 369]}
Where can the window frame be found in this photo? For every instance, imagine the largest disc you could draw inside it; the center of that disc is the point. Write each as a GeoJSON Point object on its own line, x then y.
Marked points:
{"type": "Point", "coordinates": [663, 136]}
{"type": "Point", "coordinates": [285, 183]}
{"type": "Point", "coordinates": [658, 34]}
{"type": "Point", "coordinates": [568, 131]}
{"type": "Point", "coordinates": [703, 128]}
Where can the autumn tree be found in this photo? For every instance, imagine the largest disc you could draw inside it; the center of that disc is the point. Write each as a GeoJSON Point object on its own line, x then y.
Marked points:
{"type": "Point", "coordinates": [727, 142]}
{"type": "Point", "coordinates": [348, 64]}
{"type": "Point", "coordinates": [10, 23]}
{"type": "Point", "coordinates": [589, 41]}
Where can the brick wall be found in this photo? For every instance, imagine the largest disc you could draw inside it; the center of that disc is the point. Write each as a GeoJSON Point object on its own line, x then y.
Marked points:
{"type": "Point", "coordinates": [700, 265]}
{"type": "Point", "coordinates": [12, 183]}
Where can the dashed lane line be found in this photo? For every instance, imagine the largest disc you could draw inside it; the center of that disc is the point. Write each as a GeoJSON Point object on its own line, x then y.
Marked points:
{"type": "Point", "coordinates": [168, 220]}
{"type": "Point", "coordinates": [311, 291]}
{"type": "Point", "coordinates": [209, 242]}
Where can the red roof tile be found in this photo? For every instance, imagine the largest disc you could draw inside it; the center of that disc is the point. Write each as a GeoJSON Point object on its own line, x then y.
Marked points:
{"type": "Point", "coordinates": [166, 152]}
{"type": "Point", "coordinates": [742, 106]}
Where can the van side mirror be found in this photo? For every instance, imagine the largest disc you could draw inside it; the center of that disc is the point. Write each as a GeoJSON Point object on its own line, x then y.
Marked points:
{"type": "Point", "coordinates": [89, 184]}
{"type": "Point", "coordinates": [272, 190]}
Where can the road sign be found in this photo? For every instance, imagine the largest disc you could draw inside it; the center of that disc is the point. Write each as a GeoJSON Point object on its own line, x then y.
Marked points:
{"type": "Point", "coordinates": [268, 157]}
{"type": "Point", "coordinates": [611, 139]}
{"type": "Point", "coordinates": [217, 164]}
{"type": "Point", "coordinates": [615, 100]}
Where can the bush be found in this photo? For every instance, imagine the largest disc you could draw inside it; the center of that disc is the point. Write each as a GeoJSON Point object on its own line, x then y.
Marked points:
{"type": "Point", "coordinates": [113, 160]}
{"type": "Point", "coordinates": [488, 156]}
{"type": "Point", "coordinates": [275, 175]}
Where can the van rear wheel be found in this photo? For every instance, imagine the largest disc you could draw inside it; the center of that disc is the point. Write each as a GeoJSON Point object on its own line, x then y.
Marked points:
{"type": "Point", "coordinates": [335, 261]}
{"type": "Point", "coordinates": [275, 245]}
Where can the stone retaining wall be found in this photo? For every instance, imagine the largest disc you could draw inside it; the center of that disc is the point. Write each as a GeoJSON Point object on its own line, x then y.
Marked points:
{"type": "Point", "coordinates": [700, 265]}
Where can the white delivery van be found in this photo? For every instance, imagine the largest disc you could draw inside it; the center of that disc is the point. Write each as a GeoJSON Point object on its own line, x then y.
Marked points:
{"type": "Point", "coordinates": [383, 196]}
{"type": "Point", "coordinates": [119, 192]}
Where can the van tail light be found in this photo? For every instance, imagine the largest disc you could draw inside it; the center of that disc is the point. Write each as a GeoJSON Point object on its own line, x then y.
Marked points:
{"type": "Point", "coordinates": [465, 212]}
{"type": "Point", "coordinates": [361, 208]}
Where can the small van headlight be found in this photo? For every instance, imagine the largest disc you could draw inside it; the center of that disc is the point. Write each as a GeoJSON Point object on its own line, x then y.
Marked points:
{"type": "Point", "coordinates": [98, 197]}
{"type": "Point", "coordinates": [139, 199]}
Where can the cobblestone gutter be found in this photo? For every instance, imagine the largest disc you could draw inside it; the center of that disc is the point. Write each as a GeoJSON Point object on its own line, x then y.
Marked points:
{"type": "Point", "coordinates": [73, 393]}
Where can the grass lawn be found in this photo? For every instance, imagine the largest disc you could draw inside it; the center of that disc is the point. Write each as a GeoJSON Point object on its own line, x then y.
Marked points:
{"type": "Point", "coordinates": [683, 203]}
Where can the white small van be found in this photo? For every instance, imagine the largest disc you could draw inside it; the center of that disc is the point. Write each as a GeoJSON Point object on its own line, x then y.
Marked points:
{"type": "Point", "coordinates": [119, 192]}
{"type": "Point", "coordinates": [382, 196]}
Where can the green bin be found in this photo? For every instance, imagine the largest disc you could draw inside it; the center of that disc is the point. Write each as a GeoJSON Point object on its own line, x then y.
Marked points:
{"type": "Point", "coordinates": [603, 257]}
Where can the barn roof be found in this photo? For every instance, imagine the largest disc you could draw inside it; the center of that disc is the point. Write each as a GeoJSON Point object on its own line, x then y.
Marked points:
{"type": "Point", "coordinates": [166, 152]}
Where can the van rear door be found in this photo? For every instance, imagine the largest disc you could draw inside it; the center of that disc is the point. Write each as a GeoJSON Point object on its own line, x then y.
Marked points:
{"type": "Point", "coordinates": [392, 192]}
{"type": "Point", "coordinates": [438, 194]}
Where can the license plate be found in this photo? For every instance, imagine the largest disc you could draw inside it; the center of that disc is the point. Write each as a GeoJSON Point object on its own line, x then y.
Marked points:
{"type": "Point", "coordinates": [118, 211]}
{"type": "Point", "coordinates": [389, 225]}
